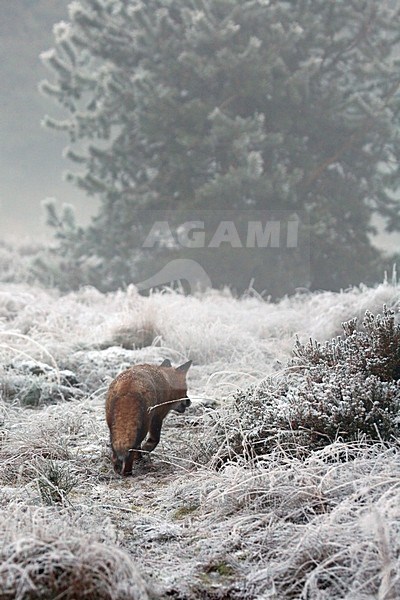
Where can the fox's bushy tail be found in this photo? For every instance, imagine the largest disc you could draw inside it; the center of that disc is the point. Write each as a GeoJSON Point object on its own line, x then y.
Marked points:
{"type": "Point", "coordinates": [127, 433]}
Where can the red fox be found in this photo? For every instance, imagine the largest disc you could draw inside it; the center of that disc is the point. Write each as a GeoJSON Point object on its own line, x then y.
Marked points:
{"type": "Point", "coordinates": [138, 401]}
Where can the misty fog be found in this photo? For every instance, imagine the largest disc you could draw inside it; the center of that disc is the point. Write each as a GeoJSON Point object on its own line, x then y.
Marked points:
{"type": "Point", "coordinates": [31, 162]}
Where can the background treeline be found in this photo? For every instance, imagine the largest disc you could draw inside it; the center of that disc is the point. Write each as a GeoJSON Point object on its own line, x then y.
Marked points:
{"type": "Point", "coordinates": [220, 104]}
{"type": "Point", "coordinates": [211, 105]}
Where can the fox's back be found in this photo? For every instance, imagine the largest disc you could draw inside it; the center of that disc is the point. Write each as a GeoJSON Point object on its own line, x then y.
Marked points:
{"type": "Point", "coordinates": [141, 384]}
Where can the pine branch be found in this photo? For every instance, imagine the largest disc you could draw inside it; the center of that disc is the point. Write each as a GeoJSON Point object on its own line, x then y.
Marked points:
{"type": "Point", "coordinates": [349, 143]}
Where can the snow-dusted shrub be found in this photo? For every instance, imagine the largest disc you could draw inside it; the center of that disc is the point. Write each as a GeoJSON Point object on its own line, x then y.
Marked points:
{"type": "Point", "coordinates": [34, 384]}
{"type": "Point", "coordinates": [348, 387]}
{"type": "Point", "coordinates": [51, 268]}
{"type": "Point", "coordinates": [15, 261]}
{"type": "Point", "coordinates": [375, 350]}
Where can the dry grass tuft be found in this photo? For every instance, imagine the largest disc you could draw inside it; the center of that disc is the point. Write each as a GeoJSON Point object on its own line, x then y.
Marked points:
{"type": "Point", "coordinates": [36, 564]}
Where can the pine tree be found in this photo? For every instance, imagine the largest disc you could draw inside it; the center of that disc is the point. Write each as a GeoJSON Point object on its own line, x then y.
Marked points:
{"type": "Point", "coordinates": [217, 104]}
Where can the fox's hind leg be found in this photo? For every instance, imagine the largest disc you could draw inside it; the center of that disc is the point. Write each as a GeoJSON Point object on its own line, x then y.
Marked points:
{"type": "Point", "coordinates": [123, 464]}
{"type": "Point", "coordinates": [153, 436]}
{"type": "Point", "coordinates": [126, 466]}
{"type": "Point", "coordinates": [134, 455]}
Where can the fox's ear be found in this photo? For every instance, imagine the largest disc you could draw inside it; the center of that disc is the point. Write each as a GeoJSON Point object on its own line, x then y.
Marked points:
{"type": "Point", "coordinates": [166, 363]}
{"type": "Point", "coordinates": [184, 367]}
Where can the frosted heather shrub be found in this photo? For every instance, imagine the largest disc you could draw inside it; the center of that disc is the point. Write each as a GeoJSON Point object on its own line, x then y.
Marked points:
{"type": "Point", "coordinates": [347, 388]}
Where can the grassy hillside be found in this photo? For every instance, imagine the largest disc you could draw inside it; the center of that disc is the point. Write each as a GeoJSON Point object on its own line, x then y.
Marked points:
{"type": "Point", "coordinates": [322, 524]}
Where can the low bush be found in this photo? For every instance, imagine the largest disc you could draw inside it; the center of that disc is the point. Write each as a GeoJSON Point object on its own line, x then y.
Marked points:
{"type": "Point", "coordinates": [347, 388]}
{"type": "Point", "coordinates": [34, 384]}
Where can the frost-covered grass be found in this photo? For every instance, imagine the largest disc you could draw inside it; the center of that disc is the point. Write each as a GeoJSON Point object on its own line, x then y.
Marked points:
{"type": "Point", "coordinates": [325, 526]}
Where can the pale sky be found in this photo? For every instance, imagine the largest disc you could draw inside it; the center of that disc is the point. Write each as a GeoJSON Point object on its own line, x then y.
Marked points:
{"type": "Point", "coordinates": [31, 162]}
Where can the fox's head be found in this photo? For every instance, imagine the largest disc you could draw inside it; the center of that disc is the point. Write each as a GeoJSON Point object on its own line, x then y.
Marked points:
{"type": "Point", "coordinates": [177, 380]}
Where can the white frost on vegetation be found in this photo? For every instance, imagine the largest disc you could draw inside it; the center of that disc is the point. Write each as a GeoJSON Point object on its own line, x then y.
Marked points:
{"type": "Point", "coordinates": [319, 528]}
